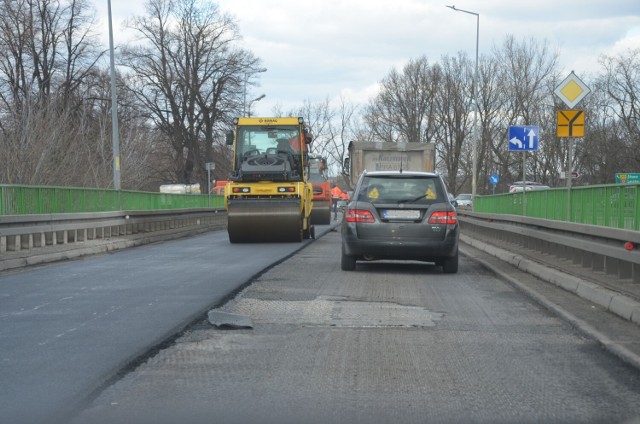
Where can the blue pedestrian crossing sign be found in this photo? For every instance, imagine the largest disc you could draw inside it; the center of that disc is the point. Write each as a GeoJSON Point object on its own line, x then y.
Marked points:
{"type": "Point", "coordinates": [523, 138]}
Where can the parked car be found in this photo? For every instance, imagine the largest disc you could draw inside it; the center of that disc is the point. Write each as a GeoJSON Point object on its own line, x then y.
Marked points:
{"type": "Point", "coordinates": [465, 201]}
{"type": "Point", "coordinates": [400, 216]}
{"type": "Point", "coordinates": [528, 186]}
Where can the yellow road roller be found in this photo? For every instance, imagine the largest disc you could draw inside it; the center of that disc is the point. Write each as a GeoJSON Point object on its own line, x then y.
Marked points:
{"type": "Point", "coordinates": [268, 197]}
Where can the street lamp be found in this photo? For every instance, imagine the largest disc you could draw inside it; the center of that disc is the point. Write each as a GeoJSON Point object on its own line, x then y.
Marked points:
{"type": "Point", "coordinates": [244, 89]}
{"type": "Point", "coordinates": [474, 147]}
{"type": "Point", "coordinates": [257, 99]}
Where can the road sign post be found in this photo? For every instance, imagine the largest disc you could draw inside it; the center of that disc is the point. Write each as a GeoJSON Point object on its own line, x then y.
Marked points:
{"type": "Point", "coordinates": [210, 167]}
{"type": "Point", "coordinates": [523, 139]}
{"type": "Point", "coordinates": [493, 179]}
{"type": "Point", "coordinates": [571, 91]}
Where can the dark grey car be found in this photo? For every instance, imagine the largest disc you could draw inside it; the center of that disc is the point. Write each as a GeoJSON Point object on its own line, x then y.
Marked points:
{"type": "Point", "coordinates": [400, 216]}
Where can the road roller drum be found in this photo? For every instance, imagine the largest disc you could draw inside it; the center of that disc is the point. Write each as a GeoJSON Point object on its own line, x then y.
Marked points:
{"type": "Point", "coordinates": [321, 213]}
{"type": "Point", "coordinates": [267, 220]}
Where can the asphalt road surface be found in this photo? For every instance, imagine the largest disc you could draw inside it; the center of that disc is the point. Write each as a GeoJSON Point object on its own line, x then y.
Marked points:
{"type": "Point", "coordinates": [387, 343]}
{"type": "Point", "coordinates": [66, 329]}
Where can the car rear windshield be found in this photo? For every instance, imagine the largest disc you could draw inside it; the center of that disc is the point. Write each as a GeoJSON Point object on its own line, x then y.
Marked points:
{"type": "Point", "coordinates": [401, 189]}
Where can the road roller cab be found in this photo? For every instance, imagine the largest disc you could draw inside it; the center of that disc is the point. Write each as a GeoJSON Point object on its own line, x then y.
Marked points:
{"type": "Point", "coordinates": [269, 197]}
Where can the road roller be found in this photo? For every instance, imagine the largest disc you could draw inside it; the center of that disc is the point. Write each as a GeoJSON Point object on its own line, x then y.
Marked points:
{"type": "Point", "coordinates": [321, 212]}
{"type": "Point", "coordinates": [269, 197]}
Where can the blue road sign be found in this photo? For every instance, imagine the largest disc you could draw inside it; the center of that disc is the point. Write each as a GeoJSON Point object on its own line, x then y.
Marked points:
{"type": "Point", "coordinates": [494, 178]}
{"type": "Point", "coordinates": [523, 138]}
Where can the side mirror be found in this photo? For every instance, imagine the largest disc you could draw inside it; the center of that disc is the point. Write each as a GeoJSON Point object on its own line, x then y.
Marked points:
{"type": "Point", "coordinates": [308, 137]}
{"type": "Point", "coordinates": [230, 138]}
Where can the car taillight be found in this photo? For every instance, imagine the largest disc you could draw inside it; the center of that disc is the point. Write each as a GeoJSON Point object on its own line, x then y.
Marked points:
{"type": "Point", "coordinates": [359, 215]}
{"type": "Point", "coordinates": [443, 217]}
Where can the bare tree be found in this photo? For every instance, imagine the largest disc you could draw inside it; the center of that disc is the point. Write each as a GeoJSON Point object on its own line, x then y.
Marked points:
{"type": "Point", "coordinates": [454, 121]}
{"type": "Point", "coordinates": [526, 71]}
{"type": "Point", "coordinates": [604, 150]}
{"type": "Point", "coordinates": [189, 76]}
{"type": "Point", "coordinates": [318, 116]}
{"type": "Point", "coordinates": [332, 128]}
{"type": "Point", "coordinates": [621, 80]}
{"type": "Point", "coordinates": [341, 131]}
{"type": "Point", "coordinates": [404, 108]}
{"type": "Point", "coordinates": [47, 49]}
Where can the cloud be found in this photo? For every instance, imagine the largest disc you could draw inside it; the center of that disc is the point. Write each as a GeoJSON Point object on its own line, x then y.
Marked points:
{"type": "Point", "coordinates": [319, 49]}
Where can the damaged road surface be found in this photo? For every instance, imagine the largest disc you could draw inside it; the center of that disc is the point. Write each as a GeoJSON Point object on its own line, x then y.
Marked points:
{"type": "Point", "coordinates": [389, 342]}
{"type": "Point", "coordinates": [221, 319]}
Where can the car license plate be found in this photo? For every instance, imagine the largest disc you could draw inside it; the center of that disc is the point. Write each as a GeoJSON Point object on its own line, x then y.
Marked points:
{"type": "Point", "coordinates": [400, 214]}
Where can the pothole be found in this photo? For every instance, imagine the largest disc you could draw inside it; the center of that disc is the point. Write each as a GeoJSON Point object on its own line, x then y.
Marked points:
{"type": "Point", "coordinates": [334, 313]}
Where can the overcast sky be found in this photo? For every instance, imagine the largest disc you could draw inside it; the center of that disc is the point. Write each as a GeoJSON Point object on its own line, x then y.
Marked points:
{"type": "Point", "coordinates": [319, 49]}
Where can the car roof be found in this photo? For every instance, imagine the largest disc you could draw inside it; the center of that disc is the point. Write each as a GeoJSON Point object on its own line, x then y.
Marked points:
{"type": "Point", "coordinates": [526, 183]}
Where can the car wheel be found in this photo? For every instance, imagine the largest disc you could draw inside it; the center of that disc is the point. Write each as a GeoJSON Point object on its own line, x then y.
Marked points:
{"type": "Point", "coordinates": [449, 265]}
{"type": "Point", "coordinates": [348, 263]}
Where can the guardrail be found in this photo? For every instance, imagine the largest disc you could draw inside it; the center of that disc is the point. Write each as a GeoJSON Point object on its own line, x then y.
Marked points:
{"type": "Point", "coordinates": [26, 232]}
{"type": "Point", "coordinates": [35, 200]}
{"type": "Point", "coordinates": [613, 205]}
{"type": "Point", "coordinates": [612, 251]}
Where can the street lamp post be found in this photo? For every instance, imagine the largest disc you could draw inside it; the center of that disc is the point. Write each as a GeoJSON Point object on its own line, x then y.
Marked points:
{"type": "Point", "coordinates": [244, 91]}
{"type": "Point", "coordinates": [115, 136]}
{"type": "Point", "coordinates": [474, 147]}
{"type": "Point", "coordinates": [257, 99]}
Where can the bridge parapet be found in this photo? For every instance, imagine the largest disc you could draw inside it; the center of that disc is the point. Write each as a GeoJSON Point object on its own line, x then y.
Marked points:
{"type": "Point", "coordinates": [612, 251]}
{"type": "Point", "coordinates": [44, 232]}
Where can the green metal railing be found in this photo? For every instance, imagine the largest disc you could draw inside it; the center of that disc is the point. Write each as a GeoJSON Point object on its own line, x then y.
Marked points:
{"type": "Point", "coordinates": [28, 200]}
{"type": "Point", "coordinates": [614, 205]}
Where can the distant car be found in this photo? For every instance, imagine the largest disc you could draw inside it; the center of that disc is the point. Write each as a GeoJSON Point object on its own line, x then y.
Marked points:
{"type": "Point", "coordinates": [400, 216]}
{"type": "Point", "coordinates": [528, 186]}
{"type": "Point", "coordinates": [452, 200]}
{"type": "Point", "coordinates": [465, 201]}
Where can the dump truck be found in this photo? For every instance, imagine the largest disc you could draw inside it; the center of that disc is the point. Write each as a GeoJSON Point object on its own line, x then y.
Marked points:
{"type": "Point", "coordinates": [389, 156]}
{"type": "Point", "coordinates": [269, 196]}
{"type": "Point", "coordinates": [321, 211]}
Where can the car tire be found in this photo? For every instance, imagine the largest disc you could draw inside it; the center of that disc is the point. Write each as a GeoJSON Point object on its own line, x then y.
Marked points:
{"type": "Point", "coordinates": [347, 263]}
{"type": "Point", "coordinates": [450, 264]}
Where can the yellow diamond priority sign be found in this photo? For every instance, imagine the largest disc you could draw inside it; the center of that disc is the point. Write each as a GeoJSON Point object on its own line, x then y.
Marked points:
{"type": "Point", "coordinates": [572, 90]}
